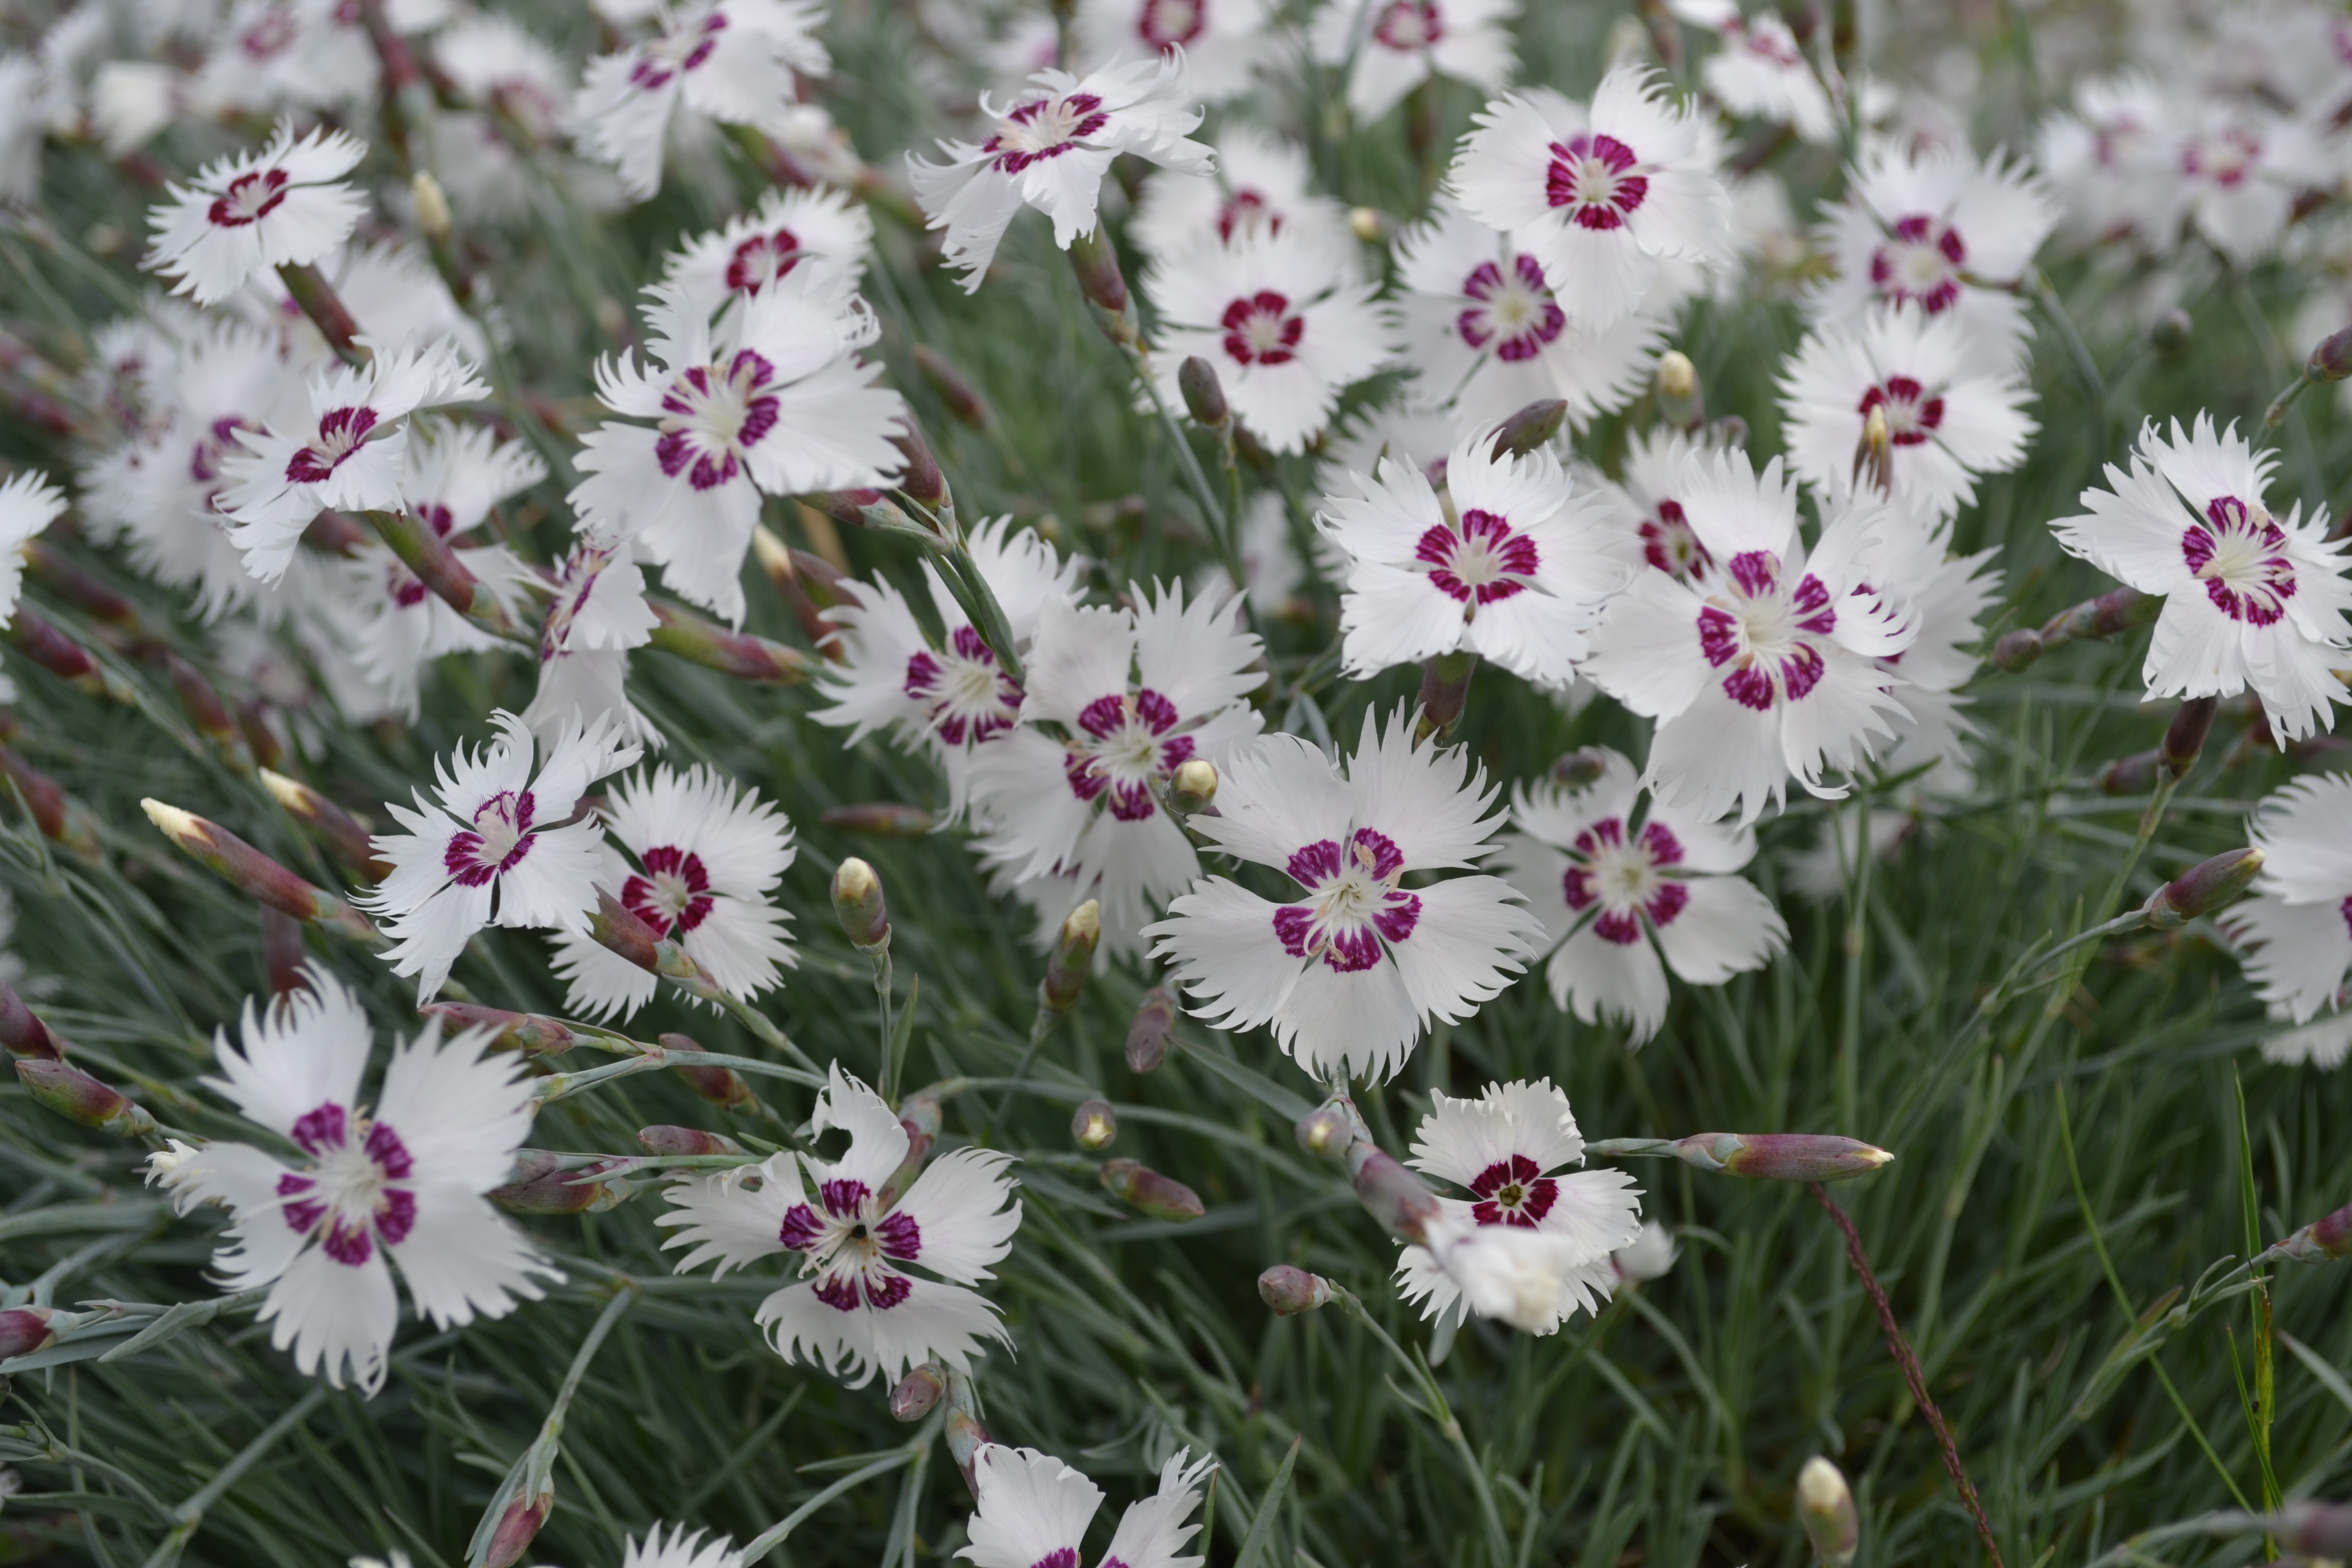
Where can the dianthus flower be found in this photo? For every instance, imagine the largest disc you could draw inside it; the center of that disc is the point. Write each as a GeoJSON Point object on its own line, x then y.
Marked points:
{"type": "Point", "coordinates": [247, 213]}
{"type": "Point", "coordinates": [1033, 1511]}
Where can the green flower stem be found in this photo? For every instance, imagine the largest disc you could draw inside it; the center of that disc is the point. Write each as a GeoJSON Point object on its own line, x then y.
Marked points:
{"type": "Point", "coordinates": [772, 1537]}
{"type": "Point", "coordinates": [533, 1474]}
{"type": "Point", "coordinates": [191, 1514]}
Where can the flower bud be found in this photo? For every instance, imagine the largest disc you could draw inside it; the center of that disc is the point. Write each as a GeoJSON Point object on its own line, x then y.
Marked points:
{"type": "Point", "coordinates": [966, 1438]}
{"type": "Point", "coordinates": [1146, 1037]}
{"type": "Point", "coordinates": [2184, 737]}
{"type": "Point", "coordinates": [921, 483]}
{"type": "Point", "coordinates": [1325, 1130]}
{"type": "Point", "coordinates": [2135, 774]}
{"type": "Point", "coordinates": [346, 835]}
{"type": "Point", "coordinates": [1530, 428]}
{"type": "Point", "coordinates": [857, 902]}
{"type": "Point", "coordinates": [2332, 360]}
{"type": "Point", "coordinates": [2017, 651]}
{"type": "Point", "coordinates": [1096, 265]}
{"type": "Point", "coordinates": [2329, 1237]}
{"type": "Point", "coordinates": [917, 1391]}
{"type": "Point", "coordinates": [1781, 1156]}
{"type": "Point", "coordinates": [78, 1097]}
{"type": "Point", "coordinates": [668, 1139]}
{"type": "Point", "coordinates": [2319, 1532]}
{"type": "Point", "coordinates": [723, 1087]}
{"type": "Point", "coordinates": [1094, 1125]}
{"type": "Point", "coordinates": [202, 703]}
{"type": "Point", "coordinates": [687, 636]}
{"type": "Point", "coordinates": [919, 1118]}
{"type": "Point", "coordinates": [1073, 957]}
{"type": "Point", "coordinates": [24, 1330]}
{"type": "Point", "coordinates": [1393, 1195]}
{"type": "Point", "coordinates": [1193, 786]}
{"type": "Point", "coordinates": [529, 1033]}
{"type": "Point", "coordinates": [1290, 1291]}
{"type": "Point", "coordinates": [1147, 1191]}
{"type": "Point", "coordinates": [254, 874]}
{"type": "Point", "coordinates": [621, 930]}
{"type": "Point", "coordinates": [1874, 457]}
{"type": "Point", "coordinates": [2210, 885]}
{"type": "Point", "coordinates": [880, 819]}
{"type": "Point", "coordinates": [955, 392]}
{"type": "Point", "coordinates": [1680, 401]}
{"type": "Point", "coordinates": [2168, 333]}
{"type": "Point", "coordinates": [60, 820]}
{"type": "Point", "coordinates": [1825, 1504]}
{"type": "Point", "coordinates": [38, 640]}
{"type": "Point", "coordinates": [518, 1527]}
{"type": "Point", "coordinates": [538, 1185]}
{"type": "Point", "coordinates": [1445, 692]}
{"type": "Point", "coordinates": [22, 1031]}
{"type": "Point", "coordinates": [1204, 396]}
{"type": "Point", "coordinates": [1372, 225]}
{"type": "Point", "coordinates": [433, 220]}
{"type": "Point", "coordinates": [1578, 769]}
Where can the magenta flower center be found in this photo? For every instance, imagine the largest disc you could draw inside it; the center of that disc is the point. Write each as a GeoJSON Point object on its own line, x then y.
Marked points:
{"type": "Point", "coordinates": [848, 1244]}
{"type": "Point", "coordinates": [355, 1194]}
{"type": "Point", "coordinates": [1353, 902]}
{"type": "Point", "coordinates": [2226, 157]}
{"type": "Point", "coordinates": [1262, 328]}
{"type": "Point", "coordinates": [1044, 128]}
{"type": "Point", "coordinates": [1126, 748]}
{"type": "Point", "coordinates": [1249, 212]}
{"type": "Point", "coordinates": [248, 199]}
{"type": "Point", "coordinates": [1512, 310]}
{"type": "Point", "coordinates": [342, 432]}
{"type": "Point", "coordinates": [1593, 180]}
{"type": "Point", "coordinates": [1622, 874]}
{"type": "Point", "coordinates": [1481, 562]}
{"type": "Point", "coordinates": [712, 416]}
{"type": "Point", "coordinates": [1163, 23]}
{"type": "Point", "coordinates": [762, 259]}
{"type": "Point", "coordinates": [1407, 26]}
{"type": "Point", "coordinates": [1671, 544]}
{"type": "Point", "coordinates": [673, 54]}
{"type": "Point", "coordinates": [963, 695]}
{"type": "Point", "coordinates": [673, 892]}
{"type": "Point", "coordinates": [1919, 263]}
{"type": "Point", "coordinates": [1764, 637]}
{"type": "Point", "coordinates": [269, 37]}
{"type": "Point", "coordinates": [2240, 554]}
{"type": "Point", "coordinates": [1513, 1192]}
{"type": "Point", "coordinates": [1911, 414]}
{"type": "Point", "coordinates": [497, 841]}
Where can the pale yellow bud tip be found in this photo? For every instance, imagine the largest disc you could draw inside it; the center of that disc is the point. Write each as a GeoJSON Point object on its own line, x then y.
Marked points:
{"type": "Point", "coordinates": [178, 825]}
{"type": "Point", "coordinates": [1370, 225]}
{"type": "Point", "coordinates": [1084, 924]}
{"type": "Point", "coordinates": [775, 555]}
{"type": "Point", "coordinates": [1677, 377]}
{"type": "Point", "coordinates": [433, 214]}
{"type": "Point", "coordinates": [292, 793]}
{"type": "Point", "coordinates": [1875, 431]}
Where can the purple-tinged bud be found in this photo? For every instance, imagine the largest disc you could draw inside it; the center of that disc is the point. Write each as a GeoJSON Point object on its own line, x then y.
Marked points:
{"type": "Point", "coordinates": [1530, 428]}
{"type": "Point", "coordinates": [2135, 774]}
{"type": "Point", "coordinates": [38, 640]}
{"type": "Point", "coordinates": [2018, 651]}
{"type": "Point", "coordinates": [437, 565]}
{"type": "Point", "coordinates": [1094, 263]}
{"type": "Point", "coordinates": [2169, 333]}
{"type": "Point", "coordinates": [1193, 788]}
{"type": "Point", "coordinates": [1146, 1037]}
{"type": "Point", "coordinates": [282, 952]}
{"type": "Point", "coordinates": [207, 712]}
{"type": "Point", "coordinates": [1094, 1125]}
{"type": "Point", "coordinates": [1825, 1504]}
{"type": "Point", "coordinates": [2210, 885]}
{"type": "Point", "coordinates": [2332, 360]}
{"type": "Point", "coordinates": [1390, 1193]}
{"type": "Point", "coordinates": [919, 1118]}
{"type": "Point", "coordinates": [959, 396]}
{"type": "Point", "coordinates": [1204, 396]}
{"type": "Point", "coordinates": [620, 929]}
{"type": "Point", "coordinates": [2326, 1239]}
{"type": "Point", "coordinates": [78, 1097]}
{"type": "Point", "coordinates": [921, 481]}
{"type": "Point", "coordinates": [1781, 1156]}
{"type": "Point", "coordinates": [1445, 692]}
{"type": "Point", "coordinates": [24, 1330]}
{"type": "Point", "coordinates": [1073, 958]}
{"type": "Point", "coordinates": [881, 820]}
{"type": "Point", "coordinates": [666, 1138]}
{"type": "Point", "coordinates": [1578, 769]}
{"type": "Point", "coordinates": [529, 1033]}
{"type": "Point", "coordinates": [918, 1392]}
{"type": "Point", "coordinates": [805, 583]}
{"type": "Point", "coordinates": [966, 1438]}
{"type": "Point", "coordinates": [538, 1185]}
{"type": "Point", "coordinates": [59, 820]}
{"type": "Point", "coordinates": [93, 597]}
{"type": "Point", "coordinates": [849, 506]}
{"type": "Point", "coordinates": [857, 902]}
{"type": "Point", "coordinates": [723, 1087]}
{"type": "Point", "coordinates": [1146, 1191]}
{"type": "Point", "coordinates": [1325, 1130]}
{"type": "Point", "coordinates": [1290, 1291]}
{"type": "Point", "coordinates": [2184, 737]}
{"type": "Point", "coordinates": [22, 1031]}
{"type": "Point", "coordinates": [347, 837]}
{"type": "Point", "coordinates": [688, 636]}
{"type": "Point", "coordinates": [518, 1527]}
{"type": "Point", "coordinates": [2319, 1532]}
{"type": "Point", "coordinates": [254, 874]}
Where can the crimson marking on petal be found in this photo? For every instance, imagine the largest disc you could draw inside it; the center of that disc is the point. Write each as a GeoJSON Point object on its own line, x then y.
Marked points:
{"type": "Point", "coordinates": [1750, 687]}
{"type": "Point", "coordinates": [327, 1127]}
{"type": "Point", "coordinates": [305, 1214]}
{"type": "Point", "coordinates": [900, 1236]}
{"type": "Point", "coordinates": [1060, 1557]}
{"type": "Point", "coordinates": [1811, 601]}
{"type": "Point", "coordinates": [1292, 925]}
{"type": "Point", "coordinates": [763, 259]}
{"type": "Point", "coordinates": [1166, 24]}
{"type": "Point", "coordinates": [1910, 413]}
{"type": "Point", "coordinates": [1395, 919]}
{"type": "Point", "coordinates": [503, 820]}
{"type": "Point", "coordinates": [1718, 634]}
{"type": "Point", "coordinates": [676, 889]}
{"type": "Point", "coordinates": [1668, 902]}
{"type": "Point", "coordinates": [1103, 715]}
{"type": "Point", "coordinates": [1155, 711]}
{"type": "Point", "coordinates": [1408, 25]}
{"type": "Point", "coordinates": [1588, 177]}
{"type": "Point", "coordinates": [1933, 280]}
{"type": "Point", "coordinates": [887, 1290]}
{"type": "Point", "coordinates": [1130, 801]}
{"type": "Point", "coordinates": [1607, 833]}
{"type": "Point", "coordinates": [1801, 671]}
{"type": "Point", "coordinates": [1021, 139]}
{"type": "Point", "coordinates": [395, 1216]}
{"type": "Point", "coordinates": [348, 1245]}
{"type": "Point", "coordinates": [922, 674]}
{"type": "Point", "coordinates": [1262, 328]}
{"type": "Point", "coordinates": [1520, 312]}
{"type": "Point", "coordinates": [1664, 848]}
{"type": "Point", "coordinates": [1757, 572]}
{"type": "Point", "coordinates": [843, 1195]}
{"type": "Point", "coordinates": [1671, 544]}
{"type": "Point", "coordinates": [1248, 211]}
{"type": "Point", "coordinates": [1353, 951]}
{"type": "Point", "coordinates": [1576, 886]}
{"type": "Point", "coordinates": [2346, 912]}
{"type": "Point", "coordinates": [2242, 561]}
{"type": "Point", "coordinates": [1377, 852]}
{"type": "Point", "coordinates": [838, 1291]}
{"type": "Point", "coordinates": [342, 432]}
{"type": "Point", "coordinates": [248, 199]}
{"type": "Point", "coordinates": [1315, 864]}
{"type": "Point", "coordinates": [384, 1147]}
{"type": "Point", "coordinates": [1620, 926]}
{"type": "Point", "coordinates": [800, 1228]}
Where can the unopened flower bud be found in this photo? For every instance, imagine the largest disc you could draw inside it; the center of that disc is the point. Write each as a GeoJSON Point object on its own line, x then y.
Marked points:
{"type": "Point", "coordinates": [1391, 1193]}
{"type": "Point", "coordinates": [1148, 1192]}
{"type": "Point", "coordinates": [1290, 1290]}
{"type": "Point", "coordinates": [1146, 1037]}
{"type": "Point", "coordinates": [2329, 1237]}
{"type": "Point", "coordinates": [2168, 333]}
{"type": "Point", "coordinates": [1073, 957]}
{"type": "Point", "coordinates": [1874, 457]}
{"type": "Point", "coordinates": [1325, 1130]}
{"type": "Point", "coordinates": [880, 819]}
{"type": "Point", "coordinates": [723, 1087]}
{"type": "Point", "coordinates": [1825, 1504]}
{"type": "Point", "coordinates": [1575, 770]}
{"type": "Point", "coordinates": [1193, 786]}
{"type": "Point", "coordinates": [22, 1031]}
{"type": "Point", "coordinates": [1782, 1156]}
{"type": "Point", "coordinates": [919, 1118]}
{"type": "Point", "coordinates": [2210, 885]}
{"type": "Point", "coordinates": [433, 220]}
{"type": "Point", "coordinates": [2318, 1533]}
{"type": "Point", "coordinates": [857, 902]}
{"type": "Point", "coordinates": [957, 394]}
{"type": "Point", "coordinates": [531, 1033]}
{"type": "Point", "coordinates": [1204, 396]}
{"type": "Point", "coordinates": [24, 1330]}
{"type": "Point", "coordinates": [1094, 1125]}
{"type": "Point", "coordinates": [518, 1527]}
{"type": "Point", "coordinates": [666, 1138]}
{"type": "Point", "coordinates": [539, 1185]}
{"type": "Point", "coordinates": [1680, 401]}
{"type": "Point", "coordinates": [917, 1391]}
{"type": "Point", "coordinates": [1372, 225]}
{"type": "Point", "coordinates": [2135, 774]}
{"type": "Point", "coordinates": [922, 480]}
{"type": "Point", "coordinates": [1530, 428]}
{"type": "Point", "coordinates": [78, 1097]}
{"type": "Point", "coordinates": [254, 874]}
{"type": "Point", "coordinates": [2332, 360]}
{"type": "Point", "coordinates": [1095, 264]}
{"type": "Point", "coordinates": [346, 835]}
{"type": "Point", "coordinates": [689, 636]}
{"type": "Point", "coordinates": [2184, 737]}
{"type": "Point", "coordinates": [2018, 650]}
{"type": "Point", "coordinates": [966, 1438]}
{"type": "Point", "coordinates": [1444, 691]}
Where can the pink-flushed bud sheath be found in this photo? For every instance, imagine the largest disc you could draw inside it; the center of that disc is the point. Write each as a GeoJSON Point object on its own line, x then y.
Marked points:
{"type": "Point", "coordinates": [79, 1098]}
{"type": "Point", "coordinates": [2207, 886]}
{"type": "Point", "coordinates": [254, 874]}
{"type": "Point", "coordinates": [24, 1330]}
{"type": "Point", "coordinates": [1290, 1290]}
{"type": "Point", "coordinates": [666, 1138]}
{"type": "Point", "coordinates": [23, 1032]}
{"type": "Point", "coordinates": [1073, 958]}
{"type": "Point", "coordinates": [1147, 1036]}
{"type": "Point", "coordinates": [2316, 1532]}
{"type": "Point", "coordinates": [1390, 1193]}
{"type": "Point", "coordinates": [1204, 396]}
{"type": "Point", "coordinates": [1530, 428]}
{"type": "Point", "coordinates": [1325, 1130]}
{"type": "Point", "coordinates": [529, 1033]}
{"type": "Point", "coordinates": [1148, 1192]}
{"type": "Point", "coordinates": [1094, 1125]}
{"type": "Point", "coordinates": [1782, 1156]}
{"type": "Point", "coordinates": [722, 1087]}
{"type": "Point", "coordinates": [881, 820]}
{"type": "Point", "coordinates": [2322, 1239]}
{"type": "Point", "coordinates": [539, 1185]}
{"type": "Point", "coordinates": [518, 1527]}
{"type": "Point", "coordinates": [918, 1392]}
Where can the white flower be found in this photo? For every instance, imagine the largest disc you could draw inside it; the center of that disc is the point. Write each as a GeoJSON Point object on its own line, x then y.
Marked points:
{"type": "Point", "coordinates": [1505, 1147]}
{"type": "Point", "coordinates": [1050, 151]}
{"type": "Point", "coordinates": [1601, 198]}
{"type": "Point", "coordinates": [2324, 1043]}
{"type": "Point", "coordinates": [1650, 1255]}
{"type": "Point", "coordinates": [1942, 230]}
{"type": "Point", "coordinates": [1138, 693]}
{"type": "Point", "coordinates": [29, 503]}
{"type": "Point", "coordinates": [495, 847]}
{"type": "Point", "coordinates": [1223, 42]}
{"type": "Point", "coordinates": [270, 54]}
{"type": "Point", "coordinates": [2250, 599]}
{"type": "Point", "coordinates": [1765, 670]}
{"type": "Point", "coordinates": [681, 1551]}
{"type": "Point", "coordinates": [717, 273]}
{"type": "Point", "coordinates": [1283, 321]}
{"type": "Point", "coordinates": [1392, 46]}
{"type": "Point", "coordinates": [2234, 176]}
{"type": "Point", "coordinates": [1510, 565]}
{"type": "Point", "coordinates": [246, 213]}
{"type": "Point", "coordinates": [2104, 158]}
{"type": "Point", "coordinates": [949, 696]}
{"type": "Point", "coordinates": [598, 613]}
{"type": "Point", "coordinates": [349, 453]}
{"type": "Point", "coordinates": [787, 410]}
{"type": "Point", "coordinates": [2295, 932]}
{"type": "Point", "coordinates": [393, 294]}
{"type": "Point", "coordinates": [1760, 73]}
{"type": "Point", "coordinates": [495, 63]}
{"type": "Point", "coordinates": [1033, 1511]}
{"type": "Point", "coordinates": [856, 1231]}
{"type": "Point", "coordinates": [1349, 972]}
{"type": "Point", "coordinates": [1621, 895]}
{"type": "Point", "coordinates": [1261, 185]}
{"type": "Point", "coordinates": [705, 861]}
{"type": "Point", "coordinates": [733, 60]}
{"type": "Point", "coordinates": [403, 1183]}
{"type": "Point", "coordinates": [1950, 415]}
{"type": "Point", "coordinates": [1647, 520]}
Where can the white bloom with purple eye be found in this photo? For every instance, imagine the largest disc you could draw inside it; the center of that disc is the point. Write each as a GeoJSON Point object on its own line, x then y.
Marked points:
{"type": "Point", "coordinates": [681, 1551]}
{"type": "Point", "coordinates": [1034, 1510]}
{"type": "Point", "coordinates": [350, 453]}
{"type": "Point", "coordinates": [495, 846]}
{"type": "Point", "coordinates": [1614, 895]}
{"type": "Point", "coordinates": [949, 696]}
{"type": "Point", "coordinates": [401, 1184]}
{"type": "Point", "coordinates": [1945, 231]}
{"type": "Point", "coordinates": [285, 204]}
{"type": "Point", "coordinates": [1283, 321]}
{"type": "Point", "coordinates": [1221, 42]}
{"type": "Point", "coordinates": [1768, 670]}
{"type": "Point", "coordinates": [2295, 935]}
{"type": "Point", "coordinates": [1349, 971]}
{"type": "Point", "coordinates": [29, 503]}
{"type": "Point", "coordinates": [1950, 414]}
{"type": "Point", "coordinates": [702, 870]}
{"type": "Point", "coordinates": [1600, 198]}
{"type": "Point", "coordinates": [1262, 184]}
{"type": "Point", "coordinates": [2234, 176]}
{"type": "Point", "coordinates": [1512, 570]}
{"type": "Point", "coordinates": [597, 615]}
{"type": "Point", "coordinates": [1051, 149]}
{"type": "Point", "coordinates": [1647, 520]}
{"type": "Point", "coordinates": [1506, 1148]}
{"type": "Point", "coordinates": [787, 410]}
{"type": "Point", "coordinates": [720, 273]}
{"type": "Point", "coordinates": [2250, 599]}
{"type": "Point", "coordinates": [860, 1311]}
{"type": "Point", "coordinates": [737, 61]}
{"type": "Point", "coordinates": [1487, 334]}
{"type": "Point", "coordinates": [1760, 73]}
{"type": "Point", "coordinates": [1390, 47]}
{"type": "Point", "coordinates": [2102, 155]}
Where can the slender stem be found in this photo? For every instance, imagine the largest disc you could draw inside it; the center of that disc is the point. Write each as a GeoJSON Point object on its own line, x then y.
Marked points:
{"type": "Point", "coordinates": [1221, 527]}
{"type": "Point", "coordinates": [769, 1538]}
{"type": "Point", "coordinates": [1857, 933]}
{"type": "Point", "coordinates": [191, 1514]}
{"type": "Point", "coordinates": [879, 954]}
{"type": "Point", "coordinates": [2076, 350]}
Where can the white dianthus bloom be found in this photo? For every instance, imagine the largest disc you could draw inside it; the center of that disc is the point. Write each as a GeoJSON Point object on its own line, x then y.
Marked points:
{"type": "Point", "coordinates": [860, 1313]}
{"type": "Point", "coordinates": [1223, 42]}
{"type": "Point", "coordinates": [1392, 46]}
{"type": "Point", "coordinates": [1768, 670]}
{"type": "Point", "coordinates": [349, 453]}
{"type": "Point", "coordinates": [1760, 73]}
{"type": "Point", "coordinates": [1603, 197]}
{"type": "Point", "coordinates": [244, 214]}
{"type": "Point", "coordinates": [2251, 600]}
{"type": "Point", "coordinates": [737, 61]}
{"type": "Point", "coordinates": [2295, 932]}
{"type": "Point", "coordinates": [1262, 184]}
{"type": "Point", "coordinates": [2232, 178]}
{"type": "Point", "coordinates": [1349, 972]}
{"type": "Point", "coordinates": [1514, 569]}
{"type": "Point", "coordinates": [681, 1550]}
{"type": "Point", "coordinates": [1615, 898]}
{"type": "Point", "coordinates": [787, 409]}
{"type": "Point", "coordinates": [1506, 1147]}
{"type": "Point", "coordinates": [1051, 149]}
{"type": "Point", "coordinates": [703, 865]}
{"type": "Point", "coordinates": [598, 613]}
{"type": "Point", "coordinates": [1643, 515]}
{"type": "Point", "coordinates": [28, 504]}
{"type": "Point", "coordinates": [1650, 1256]}
{"type": "Point", "coordinates": [495, 847]}
{"type": "Point", "coordinates": [495, 63]}
{"type": "Point", "coordinates": [720, 273]}
{"type": "Point", "coordinates": [402, 1184]}
{"type": "Point", "coordinates": [269, 55]}
{"type": "Point", "coordinates": [1282, 320]}
{"type": "Point", "coordinates": [1950, 415]}
{"type": "Point", "coordinates": [2102, 155]}
{"type": "Point", "coordinates": [1033, 1512]}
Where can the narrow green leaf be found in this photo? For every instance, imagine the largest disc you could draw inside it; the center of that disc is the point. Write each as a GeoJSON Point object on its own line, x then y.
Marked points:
{"type": "Point", "coordinates": [1262, 1527]}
